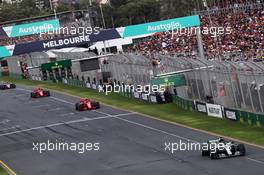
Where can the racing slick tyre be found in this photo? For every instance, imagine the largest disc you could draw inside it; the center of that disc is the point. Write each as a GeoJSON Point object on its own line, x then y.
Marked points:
{"type": "Point", "coordinates": [13, 86]}
{"type": "Point", "coordinates": [77, 107]}
{"type": "Point", "coordinates": [96, 104]}
{"type": "Point", "coordinates": [213, 155]}
{"type": "Point", "coordinates": [242, 149]}
{"type": "Point", "coordinates": [47, 93]}
{"type": "Point", "coordinates": [33, 95]}
{"type": "Point", "coordinates": [81, 107]}
{"type": "Point", "coordinates": [205, 153]}
{"type": "Point", "coordinates": [2, 87]}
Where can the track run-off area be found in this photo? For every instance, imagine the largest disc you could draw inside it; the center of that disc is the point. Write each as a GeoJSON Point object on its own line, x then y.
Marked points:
{"type": "Point", "coordinates": [129, 143]}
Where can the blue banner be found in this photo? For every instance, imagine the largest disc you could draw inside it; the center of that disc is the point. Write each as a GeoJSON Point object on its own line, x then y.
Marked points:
{"type": "Point", "coordinates": [57, 43]}
{"type": "Point", "coordinates": [161, 26]}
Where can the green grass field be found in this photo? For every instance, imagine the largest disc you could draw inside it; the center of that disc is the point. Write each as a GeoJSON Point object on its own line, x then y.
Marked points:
{"type": "Point", "coordinates": [2, 171]}
{"type": "Point", "coordinates": [168, 112]}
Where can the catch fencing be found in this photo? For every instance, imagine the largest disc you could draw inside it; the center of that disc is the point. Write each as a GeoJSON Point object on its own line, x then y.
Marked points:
{"type": "Point", "coordinates": [237, 85]}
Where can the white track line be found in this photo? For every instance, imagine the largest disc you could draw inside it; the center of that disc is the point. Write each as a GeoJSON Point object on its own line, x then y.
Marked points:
{"type": "Point", "coordinates": [4, 121]}
{"type": "Point", "coordinates": [155, 129]}
{"type": "Point", "coordinates": [24, 89]}
{"type": "Point", "coordinates": [63, 123]}
{"type": "Point", "coordinates": [55, 109]}
{"type": "Point", "coordinates": [6, 129]}
{"type": "Point", "coordinates": [40, 106]}
{"type": "Point", "coordinates": [19, 95]}
{"type": "Point", "coordinates": [32, 102]}
{"type": "Point", "coordinates": [60, 100]}
{"type": "Point", "coordinates": [254, 160]}
{"type": "Point", "coordinates": [66, 114]}
{"type": "Point", "coordinates": [149, 127]}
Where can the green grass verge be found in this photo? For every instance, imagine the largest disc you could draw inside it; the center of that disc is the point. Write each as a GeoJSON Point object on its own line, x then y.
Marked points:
{"type": "Point", "coordinates": [168, 112]}
{"type": "Point", "coordinates": [3, 171]}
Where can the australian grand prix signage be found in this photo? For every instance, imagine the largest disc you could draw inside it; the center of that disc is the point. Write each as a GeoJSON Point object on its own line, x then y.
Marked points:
{"type": "Point", "coordinates": [57, 43]}
{"type": "Point", "coordinates": [161, 26]}
{"type": "Point", "coordinates": [65, 41]}
{"type": "Point", "coordinates": [75, 40]}
{"type": "Point", "coordinates": [29, 28]}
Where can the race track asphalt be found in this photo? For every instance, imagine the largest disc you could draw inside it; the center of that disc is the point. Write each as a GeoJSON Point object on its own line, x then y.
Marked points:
{"type": "Point", "coordinates": [130, 144]}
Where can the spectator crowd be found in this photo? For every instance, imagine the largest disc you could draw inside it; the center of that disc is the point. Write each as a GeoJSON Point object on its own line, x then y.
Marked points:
{"type": "Point", "coordinates": [246, 39]}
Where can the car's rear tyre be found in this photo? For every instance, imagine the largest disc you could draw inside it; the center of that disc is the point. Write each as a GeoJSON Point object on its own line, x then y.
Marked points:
{"type": "Point", "coordinates": [47, 93]}
{"type": "Point", "coordinates": [213, 155]}
{"type": "Point", "coordinates": [97, 104]}
{"type": "Point", "coordinates": [242, 149]}
{"type": "Point", "coordinates": [32, 95]}
{"type": "Point", "coordinates": [2, 87]}
{"type": "Point", "coordinates": [77, 106]}
{"type": "Point", "coordinates": [81, 107]}
{"type": "Point", "coordinates": [13, 86]}
{"type": "Point", "coordinates": [205, 153]}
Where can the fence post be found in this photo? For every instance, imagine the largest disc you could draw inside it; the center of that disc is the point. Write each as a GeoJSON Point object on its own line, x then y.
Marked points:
{"type": "Point", "coordinates": [259, 96]}
{"type": "Point", "coordinates": [250, 95]}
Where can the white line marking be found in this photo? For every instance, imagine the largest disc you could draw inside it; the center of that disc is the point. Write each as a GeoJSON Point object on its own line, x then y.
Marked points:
{"type": "Point", "coordinates": [19, 95]}
{"type": "Point", "coordinates": [4, 121]}
{"type": "Point", "coordinates": [254, 160]}
{"type": "Point", "coordinates": [55, 109]}
{"type": "Point", "coordinates": [60, 100]}
{"type": "Point", "coordinates": [6, 93]}
{"type": "Point", "coordinates": [155, 129]}
{"type": "Point", "coordinates": [66, 114]}
{"type": "Point", "coordinates": [6, 129]}
{"type": "Point", "coordinates": [24, 89]}
{"type": "Point", "coordinates": [32, 102]}
{"type": "Point", "coordinates": [39, 106]}
{"type": "Point", "coordinates": [61, 123]}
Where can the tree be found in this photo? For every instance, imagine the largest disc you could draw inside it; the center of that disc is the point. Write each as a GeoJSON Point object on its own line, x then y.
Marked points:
{"type": "Point", "coordinates": [20, 10]}
{"type": "Point", "coordinates": [62, 7]}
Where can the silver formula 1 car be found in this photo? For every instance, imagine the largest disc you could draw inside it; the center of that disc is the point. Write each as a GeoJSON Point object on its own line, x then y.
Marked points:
{"type": "Point", "coordinates": [7, 85]}
{"type": "Point", "coordinates": [221, 148]}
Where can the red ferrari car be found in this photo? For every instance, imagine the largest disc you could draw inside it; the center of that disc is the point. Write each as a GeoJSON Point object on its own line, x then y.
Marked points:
{"type": "Point", "coordinates": [87, 104]}
{"type": "Point", "coordinates": [39, 92]}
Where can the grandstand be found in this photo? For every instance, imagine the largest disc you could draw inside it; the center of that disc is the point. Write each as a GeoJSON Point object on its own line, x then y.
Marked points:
{"type": "Point", "coordinates": [244, 43]}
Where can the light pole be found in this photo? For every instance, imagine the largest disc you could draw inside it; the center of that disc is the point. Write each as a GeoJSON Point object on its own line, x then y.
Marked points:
{"type": "Point", "coordinates": [102, 14]}
{"type": "Point", "coordinates": [53, 6]}
{"type": "Point", "coordinates": [50, 4]}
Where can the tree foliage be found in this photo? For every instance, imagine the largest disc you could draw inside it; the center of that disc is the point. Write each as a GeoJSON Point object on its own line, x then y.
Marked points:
{"type": "Point", "coordinates": [117, 13]}
{"type": "Point", "coordinates": [26, 9]}
{"type": "Point", "coordinates": [128, 12]}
